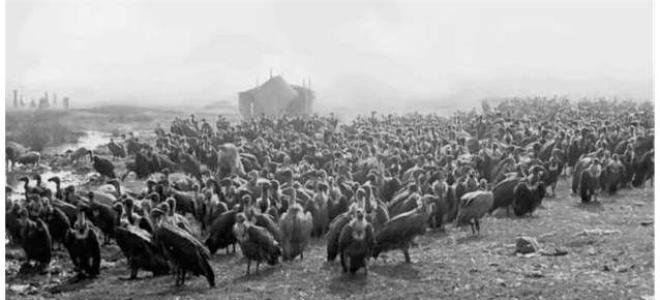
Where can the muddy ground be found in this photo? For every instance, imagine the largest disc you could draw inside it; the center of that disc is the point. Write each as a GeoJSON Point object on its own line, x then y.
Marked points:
{"type": "Point", "coordinates": [609, 256]}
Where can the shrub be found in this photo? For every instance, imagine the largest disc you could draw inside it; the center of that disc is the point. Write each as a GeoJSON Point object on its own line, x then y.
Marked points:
{"type": "Point", "coordinates": [39, 129]}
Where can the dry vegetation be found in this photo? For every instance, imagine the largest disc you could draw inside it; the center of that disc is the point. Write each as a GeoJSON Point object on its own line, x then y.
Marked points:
{"type": "Point", "coordinates": [610, 256]}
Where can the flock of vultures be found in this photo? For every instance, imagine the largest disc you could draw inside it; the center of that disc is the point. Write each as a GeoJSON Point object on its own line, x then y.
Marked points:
{"type": "Point", "coordinates": [366, 187]}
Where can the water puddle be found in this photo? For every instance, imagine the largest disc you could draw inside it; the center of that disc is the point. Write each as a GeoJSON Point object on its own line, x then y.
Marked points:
{"type": "Point", "coordinates": [90, 140]}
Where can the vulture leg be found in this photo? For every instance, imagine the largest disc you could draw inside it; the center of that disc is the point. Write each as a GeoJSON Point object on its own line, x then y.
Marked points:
{"type": "Point", "coordinates": [234, 247]}
{"type": "Point", "coordinates": [476, 223]}
{"type": "Point", "coordinates": [258, 266]}
{"type": "Point", "coordinates": [343, 263]}
{"type": "Point", "coordinates": [301, 256]}
{"type": "Point", "coordinates": [508, 211]}
{"type": "Point", "coordinates": [248, 267]}
{"type": "Point", "coordinates": [472, 227]}
{"type": "Point", "coordinates": [134, 272]}
{"type": "Point", "coordinates": [366, 267]}
{"type": "Point", "coordinates": [183, 276]}
{"type": "Point", "coordinates": [406, 254]}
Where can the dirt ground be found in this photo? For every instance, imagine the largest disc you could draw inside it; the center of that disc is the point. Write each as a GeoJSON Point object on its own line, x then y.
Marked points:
{"type": "Point", "coordinates": [609, 245]}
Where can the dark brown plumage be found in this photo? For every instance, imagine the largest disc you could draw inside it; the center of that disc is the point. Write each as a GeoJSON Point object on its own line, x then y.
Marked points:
{"type": "Point", "coordinates": [256, 242]}
{"type": "Point", "coordinates": [399, 232]}
{"type": "Point", "coordinates": [184, 251]}
{"type": "Point", "coordinates": [356, 244]}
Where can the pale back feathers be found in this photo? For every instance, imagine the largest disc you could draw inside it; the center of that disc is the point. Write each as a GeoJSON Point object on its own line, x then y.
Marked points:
{"type": "Point", "coordinates": [474, 205]}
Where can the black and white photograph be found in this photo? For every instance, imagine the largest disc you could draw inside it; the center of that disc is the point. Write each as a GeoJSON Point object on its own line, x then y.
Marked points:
{"type": "Point", "coordinates": [330, 149]}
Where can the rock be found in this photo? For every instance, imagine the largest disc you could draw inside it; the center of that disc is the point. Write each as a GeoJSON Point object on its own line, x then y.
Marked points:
{"type": "Point", "coordinates": [599, 232]}
{"type": "Point", "coordinates": [19, 288]}
{"type": "Point", "coordinates": [647, 222]}
{"type": "Point", "coordinates": [592, 251]}
{"type": "Point", "coordinates": [556, 252]}
{"type": "Point", "coordinates": [500, 281]}
{"type": "Point", "coordinates": [534, 275]}
{"type": "Point", "coordinates": [526, 245]}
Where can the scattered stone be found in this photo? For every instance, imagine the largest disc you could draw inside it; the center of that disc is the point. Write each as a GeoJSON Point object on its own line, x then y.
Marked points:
{"type": "Point", "coordinates": [534, 275]}
{"type": "Point", "coordinates": [545, 235]}
{"type": "Point", "coordinates": [19, 288]}
{"type": "Point", "coordinates": [525, 245]}
{"type": "Point", "coordinates": [500, 282]}
{"type": "Point", "coordinates": [647, 222]}
{"type": "Point", "coordinates": [555, 252]}
{"type": "Point", "coordinates": [623, 269]}
{"type": "Point", "coordinates": [599, 232]}
{"type": "Point", "coordinates": [592, 251]}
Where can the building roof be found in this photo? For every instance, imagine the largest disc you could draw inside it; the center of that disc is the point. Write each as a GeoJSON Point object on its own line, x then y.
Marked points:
{"type": "Point", "coordinates": [275, 89]}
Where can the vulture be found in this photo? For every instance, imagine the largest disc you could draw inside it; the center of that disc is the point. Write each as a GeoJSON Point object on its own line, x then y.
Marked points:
{"type": "Point", "coordinates": [221, 232]}
{"type": "Point", "coordinates": [58, 187]}
{"type": "Point", "coordinates": [554, 167]}
{"type": "Point", "coordinates": [213, 207]}
{"type": "Point", "coordinates": [442, 206]}
{"type": "Point", "coordinates": [183, 251]}
{"type": "Point", "coordinates": [336, 226]}
{"type": "Point", "coordinates": [260, 219]}
{"type": "Point", "coordinates": [58, 223]}
{"type": "Point", "coordinates": [117, 150]}
{"type": "Point", "coordinates": [35, 240]}
{"type": "Point", "coordinates": [256, 242]}
{"type": "Point", "coordinates": [190, 165]}
{"type": "Point", "coordinates": [611, 177]}
{"type": "Point", "coordinates": [589, 181]}
{"type": "Point", "coordinates": [77, 155]}
{"type": "Point", "coordinates": [142, 221]}
{"type": "Point", "coordinates": [102, 165]}
{"type": "Point", "coordinates": [527, 197]}
{"type": "Point", "coordinates": [83, 247]}
{"type": "Point", "coordinates": [356, 244]}
{"type": "Point", "coordinates": [399, 232]}
{"type": "Point", "coordinates": [40, 189]}
{"type": "Point", "coordinates": [12, 223]}
{"type": "Point", "coordinates": [138, 247]}
{"type": "Point", "coordinates": [185, 202]}
{"type": "Point", "coordinates": [296, 229]}
{"type": "Point", "coordinates": [473, 206]}
{"type": "Point", "coordinates": [168, 208]}
{"type": "Point", "coordinates": [229, 161]}
{"type": "Point", "coordinates": [503, 194]}
{"type": "Point", "coordinates": [643, 168]}
{"type": "Point", "coordinates": [103, 216]}
{"type": "Point", "coordinates": [579, 167]}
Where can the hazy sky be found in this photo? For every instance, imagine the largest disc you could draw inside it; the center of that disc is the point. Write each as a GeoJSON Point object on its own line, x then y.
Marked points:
{"type": "Point", "coordinates": [368, 53]}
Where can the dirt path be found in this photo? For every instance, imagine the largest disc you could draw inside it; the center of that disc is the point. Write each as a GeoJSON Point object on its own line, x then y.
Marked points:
{"type": "Point", "coordinates": [610, 256]}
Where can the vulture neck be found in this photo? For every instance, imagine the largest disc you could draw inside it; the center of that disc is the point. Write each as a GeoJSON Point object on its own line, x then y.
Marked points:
{"type": "Point", "coordinates": [129, 214]}
{"type": "Point", "coordinates": [117, 188]}
{"type": "Point", "coordinates": [26, 187]}
{"type": "Point", "coordinates": [58, 190]}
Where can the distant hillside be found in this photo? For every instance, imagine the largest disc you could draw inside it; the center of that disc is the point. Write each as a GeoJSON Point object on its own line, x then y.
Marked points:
{"type": "Point", "coordinates": [126, 109]}
{"type": "Point", "coordinates": [220, 105]}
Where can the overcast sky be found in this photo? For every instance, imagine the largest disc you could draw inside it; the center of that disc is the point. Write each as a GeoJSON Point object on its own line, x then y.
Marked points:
{"type": "Point", "coordinates": [367, 54]}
